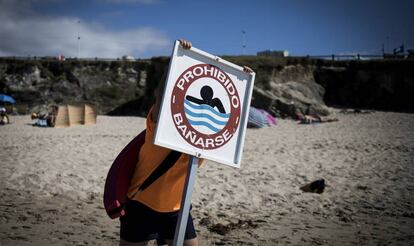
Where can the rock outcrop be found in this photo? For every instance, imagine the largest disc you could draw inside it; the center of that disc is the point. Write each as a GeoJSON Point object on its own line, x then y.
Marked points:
{"type": "Point", "coordinates": [291, 89]}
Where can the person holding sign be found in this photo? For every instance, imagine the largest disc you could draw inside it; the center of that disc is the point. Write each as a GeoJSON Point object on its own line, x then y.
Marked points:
{"type": "Point", "coordinates": [156, 188]}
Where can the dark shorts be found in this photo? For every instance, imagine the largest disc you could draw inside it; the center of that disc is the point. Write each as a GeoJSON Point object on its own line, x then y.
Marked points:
{"type": "Point", "coordinates": [141, 223]}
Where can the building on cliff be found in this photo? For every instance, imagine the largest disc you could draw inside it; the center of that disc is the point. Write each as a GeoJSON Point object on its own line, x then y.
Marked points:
{"type": "Point", "coordinates": [273, 53]}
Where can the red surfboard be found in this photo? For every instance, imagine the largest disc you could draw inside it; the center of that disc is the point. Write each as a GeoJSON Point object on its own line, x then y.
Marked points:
{"type": "Point", "coordinates": [119, 177]}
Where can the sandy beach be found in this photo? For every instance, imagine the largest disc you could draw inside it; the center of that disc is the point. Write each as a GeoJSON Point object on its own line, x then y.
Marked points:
{"type": "Point", "coordinates": [52, 180]}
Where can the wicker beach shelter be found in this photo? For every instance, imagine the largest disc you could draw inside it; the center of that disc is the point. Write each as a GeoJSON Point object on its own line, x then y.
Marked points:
{"type": "Point", "coordinates": [69, 115]}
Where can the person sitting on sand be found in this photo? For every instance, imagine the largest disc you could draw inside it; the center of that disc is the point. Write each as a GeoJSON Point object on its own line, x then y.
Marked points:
{"type": "Point", "coordinates": [4, 118]}
{"type": "Point", "coordinates": [156, 188]}
{"type": "Point", "coordinates": [51, 117]}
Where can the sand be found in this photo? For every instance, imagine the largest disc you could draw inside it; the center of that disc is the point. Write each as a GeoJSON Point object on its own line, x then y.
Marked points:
{"type": "Point", "coordinates": [52, 182]}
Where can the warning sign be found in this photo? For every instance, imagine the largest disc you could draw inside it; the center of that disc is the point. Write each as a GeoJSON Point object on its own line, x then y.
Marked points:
{"type": "Point", "coordinates": [205, 106]}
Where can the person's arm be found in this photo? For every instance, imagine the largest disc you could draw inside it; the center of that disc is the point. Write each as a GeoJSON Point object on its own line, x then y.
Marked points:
{"type": "Point", "coordinates": [158, 92]}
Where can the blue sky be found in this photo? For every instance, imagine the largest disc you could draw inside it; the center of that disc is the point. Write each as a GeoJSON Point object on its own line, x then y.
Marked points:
{"type": "Point", "coordinates": [145, 28]}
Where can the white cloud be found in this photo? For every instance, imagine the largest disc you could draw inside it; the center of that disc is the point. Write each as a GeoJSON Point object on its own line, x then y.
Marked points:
{"type": "Point", "coordinates": [24, 33]}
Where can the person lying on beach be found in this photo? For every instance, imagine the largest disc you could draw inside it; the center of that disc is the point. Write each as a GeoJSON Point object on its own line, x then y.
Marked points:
{"type": "Point", "coordinates": [157, 184]}
{"type": "Point", "coordinates": [45, 119]}
{"type": "Point", "coordinates": [308, 119]}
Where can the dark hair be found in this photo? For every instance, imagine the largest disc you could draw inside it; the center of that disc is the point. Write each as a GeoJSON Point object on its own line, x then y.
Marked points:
{"type": "Point", "coordinates": [161, 84]}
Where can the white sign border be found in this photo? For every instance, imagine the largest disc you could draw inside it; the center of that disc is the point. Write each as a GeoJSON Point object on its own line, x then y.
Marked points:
{"type": "Point", "coordinates": [245, 108]}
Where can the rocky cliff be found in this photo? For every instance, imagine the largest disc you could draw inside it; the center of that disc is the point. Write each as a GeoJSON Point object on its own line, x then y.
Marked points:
{"type": "Point", "coordinates": [282, 86]}
{"type": "Point", "coordinates": [383, 85]}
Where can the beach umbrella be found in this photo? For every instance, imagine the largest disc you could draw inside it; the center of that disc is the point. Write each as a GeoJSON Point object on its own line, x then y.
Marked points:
{"type": "Point", "coordinates": [259, 118]}
{"type": "Point", "coordinates": [6, 98]}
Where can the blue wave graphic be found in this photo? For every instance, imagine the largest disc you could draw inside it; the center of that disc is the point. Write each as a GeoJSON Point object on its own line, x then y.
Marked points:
{"type": "Point", "coordinates": [206, 107]}
{"type": "Point", "coordinates": [204, 115]}
{"type": "Point", "coordinates": [203, 123]}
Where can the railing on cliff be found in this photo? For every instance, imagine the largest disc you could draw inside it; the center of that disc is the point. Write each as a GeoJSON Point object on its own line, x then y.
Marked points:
{"type": "Point", "coordinates": [51, 58]}
{"type": "Point", "coordinates": [332, 57]}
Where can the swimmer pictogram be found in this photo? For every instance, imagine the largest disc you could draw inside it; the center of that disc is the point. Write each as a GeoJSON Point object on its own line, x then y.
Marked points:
{"type": "Point", "coordinates": [207, 98]}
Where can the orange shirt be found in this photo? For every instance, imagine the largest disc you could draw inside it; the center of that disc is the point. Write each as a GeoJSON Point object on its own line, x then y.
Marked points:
{"type": "Point", "coordinates": [164, 194]}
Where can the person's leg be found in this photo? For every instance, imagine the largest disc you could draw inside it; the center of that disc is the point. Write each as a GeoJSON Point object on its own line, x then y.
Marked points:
{"type": "Point", "coordinates": [189, 242]}
{"type": "Point", "coordinates": [125, 243]}
{"type": "Point", "coordinates": [168, 230]}
{"type": "Point", "coordinates": [138, 226]}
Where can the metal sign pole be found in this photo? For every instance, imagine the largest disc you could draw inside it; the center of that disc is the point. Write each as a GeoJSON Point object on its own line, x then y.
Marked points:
{"type": "Point", "coordinates": [186, 201]}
